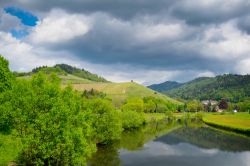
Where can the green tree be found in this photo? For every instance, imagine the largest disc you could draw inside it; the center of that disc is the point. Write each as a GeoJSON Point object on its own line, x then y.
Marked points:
{"type": "Point", "coordinates": [134, 104]}
{"type": "Point", "coordinates": [106, 122]}
{"type": "Point", "coordinates": [6, 77]}
{"type": "Point", "coordinates": [244, 106]}
{"type": "Point", "coordinates": [132, 119]}
{"type": "Point", "coordinates": [6, 83]}
{"type": "Point", "coordinates": [194, 106]}
{"type": "Point", "coordinates": [51, 123]}
{"type": "Point", "coordinates": [132, 113]}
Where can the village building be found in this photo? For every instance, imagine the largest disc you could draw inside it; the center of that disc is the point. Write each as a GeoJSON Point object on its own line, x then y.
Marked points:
{"type": "Point", "coordinates": [211, 106]}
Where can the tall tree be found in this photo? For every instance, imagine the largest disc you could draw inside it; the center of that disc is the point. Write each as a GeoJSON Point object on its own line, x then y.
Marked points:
{"type": "Point", "coordinates": [6, 76]}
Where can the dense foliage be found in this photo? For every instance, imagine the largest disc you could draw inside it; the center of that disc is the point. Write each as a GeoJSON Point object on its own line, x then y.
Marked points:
{"type": "Point", "coordinates": [106, 123]}
{"type": "Point", "coordinates": [194, 106]}
{"type": "Point", "coordinates": [235, 88]}
{"type": "Point", "coordinates": [244, 106]}
{"type": "Point", "coordinates": [157, 105]}
{"type": "Point", "coordinates": [6, 81]}
{"type": "Point", "coordinates": [132, 113]}
{"type": "Point", "coordinates": [5, 75]}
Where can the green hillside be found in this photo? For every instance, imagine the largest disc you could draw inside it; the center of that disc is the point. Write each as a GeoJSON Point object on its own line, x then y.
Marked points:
{"type": "Point", "coordinates": [67, 73]}
{"type": "Point", "coordinates": [165, 86]}
{"type": "Point", "coordinates": [119, 92]}
{"type": "Point", "coordinates": [83, 80]}
{"type": "Point", "coordinates": [232, 87]}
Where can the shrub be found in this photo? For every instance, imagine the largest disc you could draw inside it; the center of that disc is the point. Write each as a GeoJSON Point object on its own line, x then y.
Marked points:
{"type": "Point", "coordinates": [132, 119]}
{"type": "Point", "coordinates": [106, 122]}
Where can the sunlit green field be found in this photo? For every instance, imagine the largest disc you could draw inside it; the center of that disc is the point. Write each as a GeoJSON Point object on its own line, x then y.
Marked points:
{"type": "Point", "coordinates": [66, 79]}
{"type": "Point", "coordinates": [119, 92]}
{"type": "Point", "coordinates": [239, 122]}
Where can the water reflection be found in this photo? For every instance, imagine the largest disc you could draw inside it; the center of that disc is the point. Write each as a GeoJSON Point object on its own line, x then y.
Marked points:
{"type": "Point", "coordinates": [182, 154]}
{"type": "Point", "coordinates": [175, 143]}
{"type": "Point", "coordinates": [106, 156]}
{"type": "Point", "coordinates": [206, 137]}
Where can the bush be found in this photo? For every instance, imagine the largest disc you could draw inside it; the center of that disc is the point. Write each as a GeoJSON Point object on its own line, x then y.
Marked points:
{"type": "Point", "coordinates": [106, 122]}
{"type": "Point", "coordinates": [133, 105]}
{"type": "Point", "coordinates": [132, 119]}
{"type": "Point", "coordinates": [194, 106]}
{"type": "Point", "coordinates": [152, 104]}
{"type": "Point", "coordinates": [149, 107]}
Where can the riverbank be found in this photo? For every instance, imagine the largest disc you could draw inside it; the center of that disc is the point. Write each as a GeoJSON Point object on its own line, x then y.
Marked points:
{"type": "Point", "coordinates": [10, 146]}
{"type": "Point", "coordinates": [238, 122]}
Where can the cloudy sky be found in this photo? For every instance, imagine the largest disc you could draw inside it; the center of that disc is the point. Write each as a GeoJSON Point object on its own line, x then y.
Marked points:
{"type": "Point", "coordinates": [149, 41]}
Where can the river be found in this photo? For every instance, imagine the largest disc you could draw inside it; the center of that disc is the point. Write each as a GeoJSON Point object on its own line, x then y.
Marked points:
{"type": "Point", "coordinates": [175, 143]}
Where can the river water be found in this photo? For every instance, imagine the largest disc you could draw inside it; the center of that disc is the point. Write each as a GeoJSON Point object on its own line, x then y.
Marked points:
{"type": "Point", "coordinates": [175, 143]}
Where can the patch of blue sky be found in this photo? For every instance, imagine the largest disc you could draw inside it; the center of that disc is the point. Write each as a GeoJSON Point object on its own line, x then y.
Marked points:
{"type": "Point", "coordinates": [19, 34]}
{"type": "Point", "coordinates": [26, 17]}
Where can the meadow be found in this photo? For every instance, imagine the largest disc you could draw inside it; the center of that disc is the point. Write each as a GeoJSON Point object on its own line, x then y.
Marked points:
{"type": "Point", "coordinates": [119, 92]}
{"type": "Point", "coordinates": [237, 122]}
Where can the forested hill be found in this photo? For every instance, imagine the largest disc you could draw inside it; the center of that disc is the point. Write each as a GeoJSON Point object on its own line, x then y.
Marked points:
{"type": "Point", "coordinates": [64, 69]}
{"type": "Point", "coordinates": [233, 87]}
{"type": "Point", "coordinates": [165, 86]}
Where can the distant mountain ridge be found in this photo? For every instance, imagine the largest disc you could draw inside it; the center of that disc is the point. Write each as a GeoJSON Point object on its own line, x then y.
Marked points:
{"type": "Point", "coordinates": [165, 86]}
{"type": "Point", "coordinates": [230, 86]}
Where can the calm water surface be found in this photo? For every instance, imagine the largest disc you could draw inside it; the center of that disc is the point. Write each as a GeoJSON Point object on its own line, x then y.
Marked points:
{"type": "Point", "coordinates": [175, 144]}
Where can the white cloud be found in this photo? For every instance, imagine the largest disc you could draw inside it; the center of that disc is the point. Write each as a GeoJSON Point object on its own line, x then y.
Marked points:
{"type": "Point", "coordinates": [206, 74]}
{"type": "Point", "coordinates": [8, 22]}
{"type": "Point", "coordinates": [159, 31]}
{"type": "Point", "coordinates": [243, 66]}
{"type": "Point", "coordinates": [24, 57]}
{"type": "Point", "coordinates": [231, 43]}
{"type": "Point", "coordinates": [143, 76]}
{"type": "Point", "coordinates": [58, 27]}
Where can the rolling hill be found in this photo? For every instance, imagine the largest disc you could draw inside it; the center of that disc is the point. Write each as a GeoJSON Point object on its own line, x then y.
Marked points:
{"type": "Point", "coordinates": [67, 73]}
{"type": "Point", "coordinates": [119, 92]}
{"type": "Point", "coordinates": [232, 87]}
{"type": "Point", "coordinates": [81, 80]}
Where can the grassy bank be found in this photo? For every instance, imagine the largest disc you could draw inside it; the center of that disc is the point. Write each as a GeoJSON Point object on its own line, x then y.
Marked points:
{"type": "Point", "coordinates": [239, 122]}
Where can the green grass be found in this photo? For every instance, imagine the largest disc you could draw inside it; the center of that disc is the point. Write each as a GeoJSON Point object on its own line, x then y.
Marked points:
{"type": "Point", "coordinates": [9, 148]}
{"type": "Point", "coordinates": [154, 117]}
{"type": "Point", "coordinates": [119, 92]}
{"type": "Point", "coordinates": [238, 122]}
{"type": "Point", "coordinates": [66, 79]}
{"type": "Point", "coordinates": [71, 79]}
